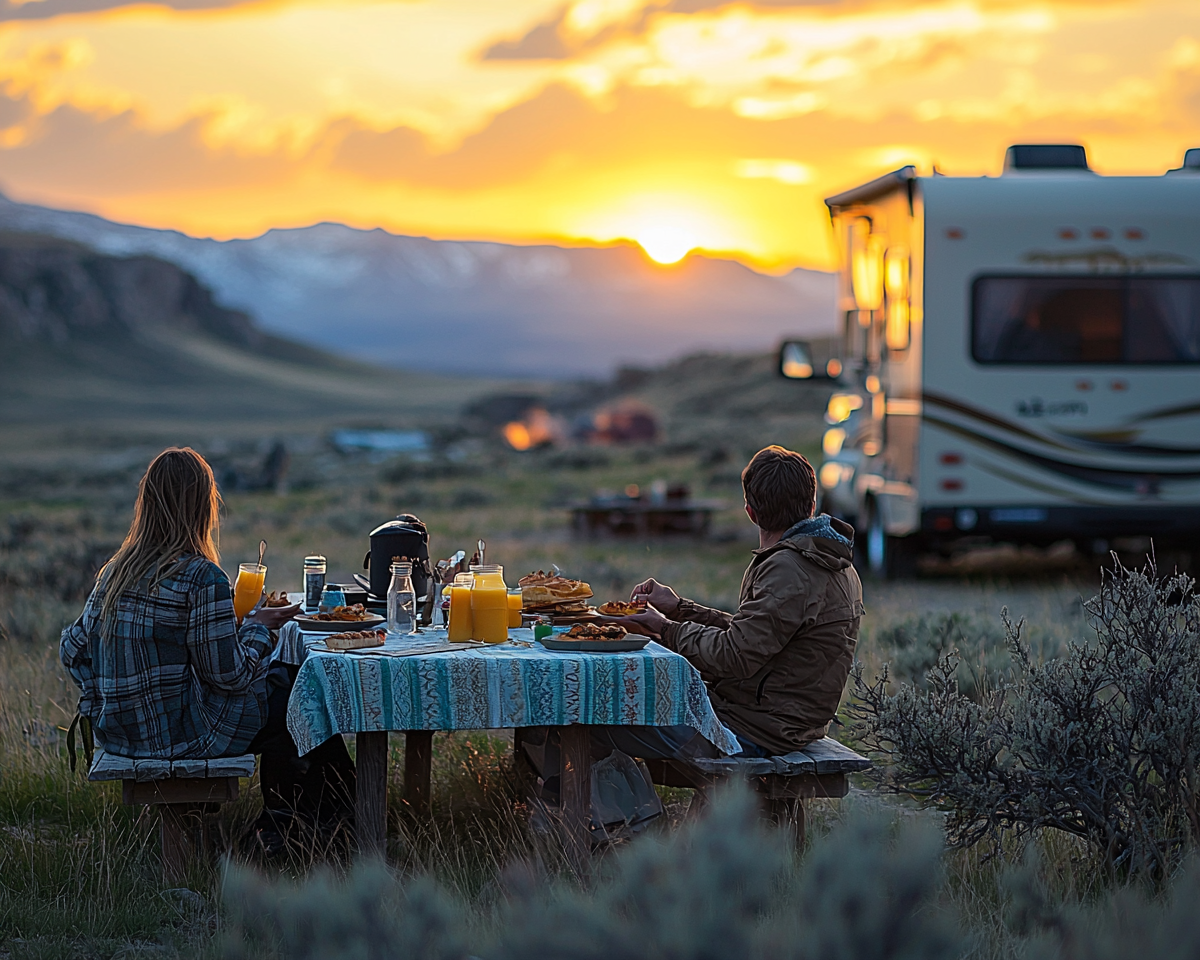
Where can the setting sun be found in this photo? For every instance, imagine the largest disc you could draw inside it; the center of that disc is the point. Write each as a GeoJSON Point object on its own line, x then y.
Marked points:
{"type": "Point", "coordinates": [715, 126]}
{"type": "Point", "coordinates": [665, 243]}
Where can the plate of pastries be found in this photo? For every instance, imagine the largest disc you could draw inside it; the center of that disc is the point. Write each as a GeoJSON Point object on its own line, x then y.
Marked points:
{"type": "Point", "coordinates": [337, 619]}
{"type": "Point", "coordinates": [622, 608]}
{"type": "Point", "coordinates": [562, 599]}
{"type": "Point", "coordinates": [595, 638]}
{"type": "Point", "coordinates": [355, 640]}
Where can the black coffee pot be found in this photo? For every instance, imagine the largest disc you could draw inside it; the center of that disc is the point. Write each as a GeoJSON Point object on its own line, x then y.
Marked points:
{"type": "Point", "coordinates": [404, 538]}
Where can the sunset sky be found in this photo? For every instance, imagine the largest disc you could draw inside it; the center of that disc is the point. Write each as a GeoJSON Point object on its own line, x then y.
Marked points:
{"type": "Point", "coordinates": [680, 123]}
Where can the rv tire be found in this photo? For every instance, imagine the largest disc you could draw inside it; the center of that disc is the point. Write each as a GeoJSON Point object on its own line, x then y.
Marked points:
{"type": "Point", "coordinates": [882, 556]}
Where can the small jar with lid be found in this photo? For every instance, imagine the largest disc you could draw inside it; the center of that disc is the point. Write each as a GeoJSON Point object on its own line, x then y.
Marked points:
{"type": "Point", "coordinates": [331, 596]}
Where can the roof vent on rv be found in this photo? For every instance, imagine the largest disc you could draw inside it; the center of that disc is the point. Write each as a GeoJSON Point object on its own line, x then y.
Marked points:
{"type": "Point", "coordinates": [1191, 162]}
{"type": "Point", "coordinates": [1045, 156]}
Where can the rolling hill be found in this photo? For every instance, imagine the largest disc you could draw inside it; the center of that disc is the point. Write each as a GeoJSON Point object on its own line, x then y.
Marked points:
{"type": "Point", "coordinates": [97, 349]}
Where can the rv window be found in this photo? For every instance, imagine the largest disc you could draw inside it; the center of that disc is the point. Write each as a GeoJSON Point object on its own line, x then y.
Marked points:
{"type": "Point", "coordinates": [1094, 320]}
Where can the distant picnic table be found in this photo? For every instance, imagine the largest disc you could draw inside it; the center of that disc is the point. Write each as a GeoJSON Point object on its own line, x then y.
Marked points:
{"type": "Point", "coordinates": [627, 516]}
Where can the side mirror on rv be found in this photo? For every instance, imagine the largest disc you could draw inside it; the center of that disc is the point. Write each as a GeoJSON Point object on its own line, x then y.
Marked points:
{"type": "Point", "coordinates": [798, 362]}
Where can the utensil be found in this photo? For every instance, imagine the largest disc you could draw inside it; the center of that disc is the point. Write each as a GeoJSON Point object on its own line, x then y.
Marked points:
{"type": "Point", "coordinates": [262, 549]}
{"type": "Point", "coordinates": [481, 546]}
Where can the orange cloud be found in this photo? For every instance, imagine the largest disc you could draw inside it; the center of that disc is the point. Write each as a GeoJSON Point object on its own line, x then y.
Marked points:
{"type": "Point", "coordinates": [719, 125]}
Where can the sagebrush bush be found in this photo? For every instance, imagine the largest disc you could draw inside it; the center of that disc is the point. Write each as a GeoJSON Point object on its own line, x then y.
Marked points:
{"type": "Point", "coordinates": [1102, 742]}
{"type": "Point", "coordinates": [915, 645]}
{"type": "Point", "coordinates": [721, 888]}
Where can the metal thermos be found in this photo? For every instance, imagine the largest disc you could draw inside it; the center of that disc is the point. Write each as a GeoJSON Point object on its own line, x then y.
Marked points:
{"type": "Point", "coordinates": [314, 582]}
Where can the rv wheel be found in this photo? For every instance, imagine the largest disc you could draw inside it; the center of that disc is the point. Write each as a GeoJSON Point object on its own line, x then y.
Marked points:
{"type": "Point", "coordinates": [888, 558]}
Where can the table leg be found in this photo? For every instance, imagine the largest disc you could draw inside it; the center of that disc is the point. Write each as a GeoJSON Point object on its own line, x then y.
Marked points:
{"type": "Point", "coordinates": [371, 750]}
{"type": "Point", "coordinates": [418, 753]}
{"type": "Point", "coordinates": [575, 746]}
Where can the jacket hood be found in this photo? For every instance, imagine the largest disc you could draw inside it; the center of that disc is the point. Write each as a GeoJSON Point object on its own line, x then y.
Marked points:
{"type": "Point", "coordinates": [822, 550]}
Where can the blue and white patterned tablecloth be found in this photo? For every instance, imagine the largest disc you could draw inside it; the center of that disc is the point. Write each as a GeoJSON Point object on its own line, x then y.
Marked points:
{"type": "Point", "coordinates": [490, 687]}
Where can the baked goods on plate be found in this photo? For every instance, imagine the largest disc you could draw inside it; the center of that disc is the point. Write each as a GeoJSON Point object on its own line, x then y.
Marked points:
{"type": "Point", "coordinates": [622, 608]}
{"type": "Point", "coordinates": [540, 591]}
{"type": "Point", "coordinates": [595, 638]}
{"type": "Point", "coordinates": [595, 631]}
{"type": "Point", "coordinates": [349, 613]}
{"type": "Point", "coordinates": [274, 599]}
{"type": "Point", "coordinates": [355, 640]}
{"type": "Point", "coordinates": [339, 618]}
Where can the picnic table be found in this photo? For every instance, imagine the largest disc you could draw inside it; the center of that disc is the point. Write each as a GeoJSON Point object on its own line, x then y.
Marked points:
{"type": "Point", "coordinates": [625, 516]}
{"type": "Point", "coordinates": [417, 685]}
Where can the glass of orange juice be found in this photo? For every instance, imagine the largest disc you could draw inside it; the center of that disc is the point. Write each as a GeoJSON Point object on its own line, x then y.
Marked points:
{"type": "Point", "coordinates": [248, 589]}
{"type": "Point", "coordinates": [460, 627]}
{"type": "Point", "coordinates": [515, 602]}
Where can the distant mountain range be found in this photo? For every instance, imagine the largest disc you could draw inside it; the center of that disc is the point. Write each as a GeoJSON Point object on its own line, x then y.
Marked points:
{"type": "Point", "coordinates": [473, 308]}
{"type": "Point", "coordinates": [136, 346]}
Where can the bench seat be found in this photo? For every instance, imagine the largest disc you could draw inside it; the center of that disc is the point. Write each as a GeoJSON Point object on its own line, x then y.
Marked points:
{"type": "Point", "coordinates": [820, 757]}
{"type": "Point", "coordinates": [783, 783]}
{"type": "Point", "coordinates": [180, 789]}
{"type": "Point", "coordinates": [110, 766]}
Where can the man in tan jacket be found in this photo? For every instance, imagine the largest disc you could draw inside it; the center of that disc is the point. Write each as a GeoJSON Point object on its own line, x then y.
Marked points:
{"type": "Point", "coordinates": [776, 668]}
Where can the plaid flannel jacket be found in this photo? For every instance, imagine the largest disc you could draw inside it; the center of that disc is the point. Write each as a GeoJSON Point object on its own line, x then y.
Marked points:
{"type": "Point", "coordinates": [173, 679]}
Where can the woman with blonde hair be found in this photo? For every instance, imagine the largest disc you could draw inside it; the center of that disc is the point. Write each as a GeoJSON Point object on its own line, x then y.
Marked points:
{"type": "Point", "coordinates": [164, 668]}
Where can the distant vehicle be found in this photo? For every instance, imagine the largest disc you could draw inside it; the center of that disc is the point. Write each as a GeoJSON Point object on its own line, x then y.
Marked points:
{"type": "Point", "coordinates": [1020, 359]}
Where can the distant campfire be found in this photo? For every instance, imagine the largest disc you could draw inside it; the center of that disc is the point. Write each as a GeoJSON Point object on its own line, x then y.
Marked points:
{"type": "Point", "coordinates": [627, 423]}
{"type": "Point", "coordinates": [538, 428]}
{"type": "Point", "coordinates": [624, 423]}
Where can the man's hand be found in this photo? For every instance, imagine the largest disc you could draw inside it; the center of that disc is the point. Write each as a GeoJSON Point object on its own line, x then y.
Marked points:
{"type": "Point", "coordinates": [271, 617]}
{"type": "Point", "coordinates": [658, 595]}
{"type": "Point", "coordinates": [650, 623]}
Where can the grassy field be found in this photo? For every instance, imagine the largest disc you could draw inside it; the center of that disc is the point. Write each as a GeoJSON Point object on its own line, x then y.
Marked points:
{"type": "Point", "coordinates": [79, 873]}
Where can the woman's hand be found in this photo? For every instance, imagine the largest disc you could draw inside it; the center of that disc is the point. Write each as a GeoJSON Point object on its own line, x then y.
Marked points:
{"type": "Point", "coordinates": [658, 595]}
{"type": "Point", "coordinates": [271, 617]}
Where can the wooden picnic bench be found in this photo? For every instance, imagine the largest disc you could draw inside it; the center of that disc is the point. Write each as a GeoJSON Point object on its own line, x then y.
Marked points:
{"type": "Point", "coordinates": [181, 789]}
{"type": "Point", "coordinates": [783, 782]}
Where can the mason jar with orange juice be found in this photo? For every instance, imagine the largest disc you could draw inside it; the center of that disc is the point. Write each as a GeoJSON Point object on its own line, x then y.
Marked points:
{"type": "Point", "coordinates": [489, 603]}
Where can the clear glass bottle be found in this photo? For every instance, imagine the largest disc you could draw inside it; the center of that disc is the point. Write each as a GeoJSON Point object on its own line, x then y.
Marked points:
{"type": "Point", "coordinates": [401, 601]}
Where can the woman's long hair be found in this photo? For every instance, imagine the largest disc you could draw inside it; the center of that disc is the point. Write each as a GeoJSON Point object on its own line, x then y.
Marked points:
{"type": "Point", "coordinates": [175, 517]}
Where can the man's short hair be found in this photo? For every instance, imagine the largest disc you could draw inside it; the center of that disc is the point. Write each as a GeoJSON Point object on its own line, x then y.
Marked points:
{"type": "Point", "coordinates": [781, 486]}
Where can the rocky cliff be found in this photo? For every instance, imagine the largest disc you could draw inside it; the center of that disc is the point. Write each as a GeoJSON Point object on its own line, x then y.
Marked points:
{"type": "Point", "coordinates": [56, 291]}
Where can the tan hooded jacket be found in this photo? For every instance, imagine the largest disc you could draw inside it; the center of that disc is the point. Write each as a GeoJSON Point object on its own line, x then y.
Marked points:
{"type": "Point", "coordinates": [776, 669]}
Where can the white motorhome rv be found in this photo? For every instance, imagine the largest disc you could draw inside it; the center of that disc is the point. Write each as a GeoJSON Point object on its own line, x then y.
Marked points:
{"type": "Point", "coordinates": [1020, 358]}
